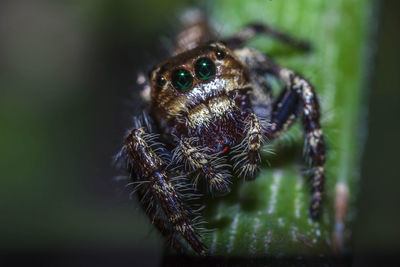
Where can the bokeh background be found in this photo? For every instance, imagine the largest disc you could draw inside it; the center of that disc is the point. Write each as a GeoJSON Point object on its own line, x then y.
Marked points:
{"type": "Point", "coordinates": [67, 72]}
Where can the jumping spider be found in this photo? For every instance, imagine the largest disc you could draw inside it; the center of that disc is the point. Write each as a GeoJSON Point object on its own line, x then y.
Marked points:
{"type": "Point", "coordinates": [212, 106]}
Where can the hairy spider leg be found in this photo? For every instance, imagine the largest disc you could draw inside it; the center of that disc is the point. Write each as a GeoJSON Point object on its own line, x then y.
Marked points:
{"type": "Point", "coordinates": [298, 97]}
{"type": "Point", "coordinates": [196, 158]}
{"type": "Point", "coordinates": [159, 221]}
{"type": "Point", "coordinates": [142, 159]}
{"type": "Point", "coordinates": [307, 102]}
{"type": "Point", "coordinates": [250, 31]}
{"type": "Point", "coordinates": [248, 160]}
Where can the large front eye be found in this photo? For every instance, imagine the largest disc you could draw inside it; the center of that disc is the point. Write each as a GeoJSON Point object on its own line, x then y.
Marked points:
{"type": "Point", "coordinates": [204, 68]}
{"type": "Point", "coordinates": [182, 80]}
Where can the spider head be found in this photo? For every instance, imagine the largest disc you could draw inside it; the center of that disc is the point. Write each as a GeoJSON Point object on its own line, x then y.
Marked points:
{"type": "Point", "coordinates": [194, 80]}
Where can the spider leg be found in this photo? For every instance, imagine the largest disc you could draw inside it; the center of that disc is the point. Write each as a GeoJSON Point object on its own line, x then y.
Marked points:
{"type": "Point", "coordinates": [297, 98]}
{"type": "Point", "coordinates": [143, 161]}
{"type": "Point", "coordinates": [248, 160]}
{"type": "Point", "coordinates": [285, 110]}
{"type": "Point", "coordinates": [300, 97]}
{"type": "Point", "coordinates": [251, 30]}
{"type": "Point", "coordinates": [161, 223]}
{"type": "Point", "coordinates": [196, 158]}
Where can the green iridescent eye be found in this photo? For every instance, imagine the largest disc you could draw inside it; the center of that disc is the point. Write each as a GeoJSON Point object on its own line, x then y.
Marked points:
{"type": "Point", "coordinates": [204, 68]}
{"type": "Point", "coordinates": [182, 80]}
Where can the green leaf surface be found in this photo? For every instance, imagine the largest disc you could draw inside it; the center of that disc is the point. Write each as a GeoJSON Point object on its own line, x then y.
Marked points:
{"type": "Point", "coordinates": [269, 216]}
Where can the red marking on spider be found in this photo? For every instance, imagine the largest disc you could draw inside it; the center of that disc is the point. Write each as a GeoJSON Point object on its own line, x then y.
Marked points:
{"type": "Point", "coordinates": [225, 149]}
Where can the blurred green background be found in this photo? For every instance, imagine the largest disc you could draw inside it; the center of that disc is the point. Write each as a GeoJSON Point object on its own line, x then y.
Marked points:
{"type": "Point", "coordinates": [67, 70]}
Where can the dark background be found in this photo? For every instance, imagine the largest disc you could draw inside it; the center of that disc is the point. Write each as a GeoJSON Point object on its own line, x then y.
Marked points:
{"type": "Point", "coordinates": [377, 231]}
{"type": "Point", "coordinates": [67, 70]}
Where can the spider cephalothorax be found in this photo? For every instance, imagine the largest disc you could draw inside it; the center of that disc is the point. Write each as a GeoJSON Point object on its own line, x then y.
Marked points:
{"type": "Point", "coordinates": [213, 110]}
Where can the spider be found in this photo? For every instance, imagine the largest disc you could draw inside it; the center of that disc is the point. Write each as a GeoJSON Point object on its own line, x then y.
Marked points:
{"type": "Point", "coordinates": [209, 110]}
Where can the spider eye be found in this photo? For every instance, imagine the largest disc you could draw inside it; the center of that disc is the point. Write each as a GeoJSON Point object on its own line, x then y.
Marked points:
{"type": "Point", "coordinates": [161, 81]}
{"type": "Point", "coordinates": [182, 80]}
{"type": "Point", "coordinates": [204, 68]}
{"type": "Point", "coordinates": [220, 54]}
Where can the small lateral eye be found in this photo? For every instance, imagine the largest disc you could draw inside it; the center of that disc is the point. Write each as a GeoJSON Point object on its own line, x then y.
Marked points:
{"type": "Point", "coordinates": [204, 68]}
{"type": "Point", "coordinates": [182, 80]}
{"type": "Point", "coordinates": [220, 54]}
{"type": "Point", "coordinates": [161, 81]}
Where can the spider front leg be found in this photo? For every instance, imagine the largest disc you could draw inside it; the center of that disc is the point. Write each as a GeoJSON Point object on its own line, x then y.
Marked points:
{"type": "Point", "coordinates": [148, 166]}
{"type": "Point", "coordinates": [248, 159]}
{"type": "Point", "coordinates": [298, 97]}
{"type": "Point", "coordinates": [197, 158]}
{"type": "Point", "coordinates": [160, 222]}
